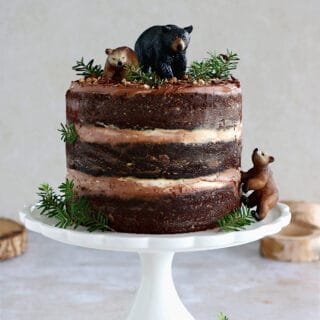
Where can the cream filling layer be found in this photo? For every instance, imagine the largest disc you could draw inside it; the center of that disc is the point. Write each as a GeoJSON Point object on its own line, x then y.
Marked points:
{"type": "Point", "coordinates": [130, 187]}
{"type": "Point", "coordinates": [114, 135]}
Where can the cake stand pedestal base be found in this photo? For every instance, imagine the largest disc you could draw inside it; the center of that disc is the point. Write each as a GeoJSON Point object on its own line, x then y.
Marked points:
{"type": "Point", "coordinates": [157, 298]}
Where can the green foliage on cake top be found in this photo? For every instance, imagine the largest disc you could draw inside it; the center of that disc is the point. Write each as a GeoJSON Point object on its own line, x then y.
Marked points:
{"type": "Point", "coordinates": [221, 316]}
{"type": "Point", "coordinates": [88, 69]}
{"type": "Point", "coordinates": [68, 133]}
{"type": "Point", "coordinates": [135, 74]}
{"type": "Point", "coordinates": [216, 66]}
{"type": "Point", "coordinates": [237, 219]}
{"type": "Point", "coordinates": [68, 209]}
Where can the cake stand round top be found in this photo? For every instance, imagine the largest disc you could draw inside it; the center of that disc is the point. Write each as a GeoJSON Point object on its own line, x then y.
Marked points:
{"type": "Point", "coordinates": [277, 218]}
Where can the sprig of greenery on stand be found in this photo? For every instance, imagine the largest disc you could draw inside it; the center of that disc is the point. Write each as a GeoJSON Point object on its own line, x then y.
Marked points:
{"type": "Point", "coordinates": [88, 69]}
{"type": "Point", "coordinates": [69, 210]}
{"type": "Point", "coordinates": [237, 219]}
{"type": "Point", "coordinates": [216, 66]}
{"type": "Point", "coordinates": [221, 316]}
{"type": "Point", "coordinates": [135, 74]}
{"type": "Point", "coordinates": [69, 133]}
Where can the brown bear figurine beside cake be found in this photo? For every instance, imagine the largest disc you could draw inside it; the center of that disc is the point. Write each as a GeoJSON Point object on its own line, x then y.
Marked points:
{"type": "Point", "coordinates": [260, 179]}
{"type": "Point", "coordinates": [163, 160]}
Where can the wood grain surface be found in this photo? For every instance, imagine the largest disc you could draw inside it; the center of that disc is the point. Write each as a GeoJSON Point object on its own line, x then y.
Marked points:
{"type": "Point", "coordinates": [300, 240]}
{"type": "Point", "coordinates": [13, 239]}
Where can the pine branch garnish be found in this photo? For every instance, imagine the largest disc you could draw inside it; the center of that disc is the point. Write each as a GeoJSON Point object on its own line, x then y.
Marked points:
{"type": "Point", "coordinates": [69, 133]}
{"type": "Point", "coordinates": [135, 74]}
{"type": "Point", "coordinates": [221, 316]}
{"type": "Point", "coordinates": [88, 70]}
{"type": "Point", "coordinates": [216, 66]}
{"type": "Point", "coordinates": [69, 210]}
{"type": "Point", "coordinates": [237, 219]}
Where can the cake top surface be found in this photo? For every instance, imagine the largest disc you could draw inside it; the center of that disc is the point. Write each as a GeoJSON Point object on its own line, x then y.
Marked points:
{"type": "Point", "coordinates": [217, 87]}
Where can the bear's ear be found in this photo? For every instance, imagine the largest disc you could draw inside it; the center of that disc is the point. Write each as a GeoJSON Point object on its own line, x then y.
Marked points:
{"type": "Point", "coordinates": [271, 159]}
{"type": "Point", "coordinates": [108, 51]}
{"type": "Point", "coordinates": [188, 29]}
{"type": "Point", "coordinates": [166, 28]}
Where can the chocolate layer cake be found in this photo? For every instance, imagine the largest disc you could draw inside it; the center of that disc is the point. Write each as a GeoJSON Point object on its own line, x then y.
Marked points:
{"type": "Point", "coordinates": [161, 160]}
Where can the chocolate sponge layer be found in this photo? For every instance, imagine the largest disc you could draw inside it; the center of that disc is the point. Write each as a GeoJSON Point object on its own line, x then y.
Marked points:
{"type": "Point", "coordinates": [172, 161]}
{"type": "Point", "coordinates": [170, 109]}
{"type": "Point", "coordinates": [167, 214]}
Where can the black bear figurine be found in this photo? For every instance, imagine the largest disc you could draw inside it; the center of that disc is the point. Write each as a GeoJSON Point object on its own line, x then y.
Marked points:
{"type": "Point", "coordinates": [163, 49]}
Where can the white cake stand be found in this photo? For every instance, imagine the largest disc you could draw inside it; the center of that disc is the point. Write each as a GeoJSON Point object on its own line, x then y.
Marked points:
{"type": "Point", "coordinates": [157, 298]}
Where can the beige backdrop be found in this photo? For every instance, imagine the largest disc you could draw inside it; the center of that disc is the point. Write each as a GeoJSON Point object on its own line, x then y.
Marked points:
{"type": "Point", "coordinates": [278, 43]}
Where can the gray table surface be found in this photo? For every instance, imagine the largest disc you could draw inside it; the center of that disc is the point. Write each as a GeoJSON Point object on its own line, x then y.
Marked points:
{"type": "Point", "coordinates": [57, 281]}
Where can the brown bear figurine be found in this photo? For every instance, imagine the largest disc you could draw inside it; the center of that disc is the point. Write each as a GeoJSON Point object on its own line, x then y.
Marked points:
{"type": "Point", "coordinates": [260, 179]}
{"type": "Point", "coordinates": [117, 59]}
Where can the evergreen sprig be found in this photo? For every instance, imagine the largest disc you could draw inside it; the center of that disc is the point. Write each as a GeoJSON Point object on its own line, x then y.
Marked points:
{"type": "Point", "coordinates": [221, 316]}
{"type": "Point", "coordinates": [69, 133]}
{"type": "Point", "coordinates": [136, 74]}
{"type": "Point", "coordinates": [88, 69]}
{"type": "Point", "coordinates": [237, 219]}
{"type": "Point", "coordinates": [216, 66]}
{"type": "Point", "coordinates": [68, 209]}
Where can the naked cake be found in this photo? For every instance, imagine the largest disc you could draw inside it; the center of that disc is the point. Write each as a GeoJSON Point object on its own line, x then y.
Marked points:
{"type": "Point", "coordinates": [154, 145]}
{"type": "Point", "coordinates": [163, 160]}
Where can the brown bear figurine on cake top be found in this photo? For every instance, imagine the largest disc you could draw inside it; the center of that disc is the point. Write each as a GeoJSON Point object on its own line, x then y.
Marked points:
{"type": "Point", "coordinates": [260, 179]}
{"type": "Point", "coordinates": [117, 59]}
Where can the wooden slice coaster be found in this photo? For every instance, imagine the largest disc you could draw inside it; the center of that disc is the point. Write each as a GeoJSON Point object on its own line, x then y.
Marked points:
{"type": "Point", "coordinates": [300, 240]}
{"type": "Point", "coordinates": [304, 212]}
{"type": "Point", "coordinates": [13, 239]}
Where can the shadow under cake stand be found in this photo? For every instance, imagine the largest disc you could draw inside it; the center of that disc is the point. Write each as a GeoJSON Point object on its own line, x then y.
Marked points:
{"type": "Point", "coordinates": [157, 298]}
